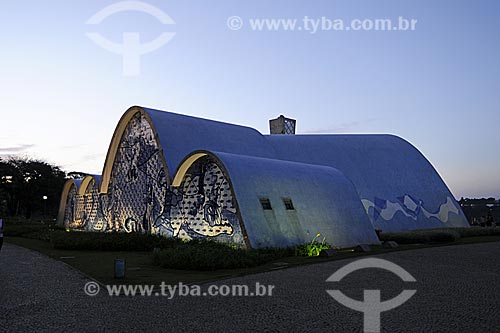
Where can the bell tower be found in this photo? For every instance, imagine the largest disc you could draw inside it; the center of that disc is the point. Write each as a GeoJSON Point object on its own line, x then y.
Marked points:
{"type": "Point", "coordinates": [282, 125]}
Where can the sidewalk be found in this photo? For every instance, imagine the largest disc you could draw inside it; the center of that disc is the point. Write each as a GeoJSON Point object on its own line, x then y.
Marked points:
{"type": "Point", "coordinates": [457, 291]}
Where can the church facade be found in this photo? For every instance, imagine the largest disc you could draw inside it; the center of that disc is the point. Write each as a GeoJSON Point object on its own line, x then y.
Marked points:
{"type": "Point", "coordinates": [187, 177]}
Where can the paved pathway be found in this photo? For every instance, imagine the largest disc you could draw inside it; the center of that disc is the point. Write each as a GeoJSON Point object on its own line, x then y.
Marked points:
{"type": "Point", "coordinates": [458, 291]}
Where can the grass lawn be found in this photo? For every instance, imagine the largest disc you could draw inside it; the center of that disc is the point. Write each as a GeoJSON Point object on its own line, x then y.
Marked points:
{"type": "Point", "coordinates": [99, 265]}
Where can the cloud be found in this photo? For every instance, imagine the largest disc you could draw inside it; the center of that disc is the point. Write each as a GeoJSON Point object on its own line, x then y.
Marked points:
{"type": "Point", "coordinates": [93, 157]}
{"type": "Point", "coordinates": [72, 147]}
{"type": "Point", "coordinates": [84, 160]}
{"type": "Point", "coordinates": [15, 149]}
{"type": "Point", "coordinates": [340, 128]}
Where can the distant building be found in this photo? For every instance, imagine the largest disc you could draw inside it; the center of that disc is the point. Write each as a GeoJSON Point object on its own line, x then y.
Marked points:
{"type": "Point", "coordinates": [187, 177]}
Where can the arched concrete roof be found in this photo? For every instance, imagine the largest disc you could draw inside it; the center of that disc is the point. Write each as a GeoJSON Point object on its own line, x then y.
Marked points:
{"type": "Point", "coordinates": [64, 197]}
{"type": "Point", "coordinates": [399, 188]}
{"type": "Point", "coordinates": [115, 143]}
{"type": "Point", "coordinates": [86, 181]}
{"type": "Point", "coordinates": [381, 167]}
{"type": "Point", "coordinates": [324, 201]}
{"type": "Point", "coordinates": [178, 135]}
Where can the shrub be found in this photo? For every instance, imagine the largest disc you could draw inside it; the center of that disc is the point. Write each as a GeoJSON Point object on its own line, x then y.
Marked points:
{"type": "Point", "coordinates": [477, 231]}
{"type": "Point", "coordinates": [421, 236]}
{"type": "Point", "coordinates": [438, 235]}
{"type": "Point", "coordinates": [28, 229]}
{"type": "Point", "coordinates": [442, 236]}
{"type": "Point", "coordinates": [211, 255]}
{"type": "Point", "coordinates": [20, 230]}
{"type": "Point", "coordinates": [169, 252]}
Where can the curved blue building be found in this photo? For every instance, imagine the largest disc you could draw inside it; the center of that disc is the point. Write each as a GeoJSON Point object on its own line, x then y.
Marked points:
{"type": "Point", "coordinates": [187, 177]}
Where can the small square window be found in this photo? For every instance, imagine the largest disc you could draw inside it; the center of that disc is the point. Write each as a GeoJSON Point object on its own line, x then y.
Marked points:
{"type": "Point", "coordinates": [266, 204]}
{"type": "Point", "coordinates": [288, 204]}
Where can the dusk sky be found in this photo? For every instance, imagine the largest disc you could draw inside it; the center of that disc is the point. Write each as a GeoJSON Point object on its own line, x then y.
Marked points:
{"type": "Point", "coordinates": [437, 86]}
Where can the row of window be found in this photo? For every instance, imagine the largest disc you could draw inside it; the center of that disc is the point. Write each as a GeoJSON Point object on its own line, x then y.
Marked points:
{"type": "Point", "coordinates": [266, 203]}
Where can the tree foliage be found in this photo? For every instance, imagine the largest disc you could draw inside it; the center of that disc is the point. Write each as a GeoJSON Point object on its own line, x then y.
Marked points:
{"type": "Point", "coordinates": [29, 187]}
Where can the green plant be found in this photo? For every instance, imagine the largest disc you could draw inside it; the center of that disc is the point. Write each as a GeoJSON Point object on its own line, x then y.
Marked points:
{"type": "Point", "coordinates": [312, 249]}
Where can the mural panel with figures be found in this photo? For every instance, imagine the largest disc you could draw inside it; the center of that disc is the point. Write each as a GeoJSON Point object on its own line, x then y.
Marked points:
{"type": "Point", "coordinates": [71, 208]}
{"type": "Point", "coordinates": [92, 214]}
{"type": "Point", "coordinates": [203, 206]}
{"type": "Point", "coordinates": [138, 182]}
{"type": "Point", "coordinates": [140, 200]}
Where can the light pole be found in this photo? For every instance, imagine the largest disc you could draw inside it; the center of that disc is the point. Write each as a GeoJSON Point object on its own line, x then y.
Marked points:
{"type": "Point", "coordinates": [44, 198]}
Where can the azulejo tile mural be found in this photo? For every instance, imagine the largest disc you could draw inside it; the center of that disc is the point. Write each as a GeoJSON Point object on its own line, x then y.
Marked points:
{"type": "Point", "coordinates": [140, 200]}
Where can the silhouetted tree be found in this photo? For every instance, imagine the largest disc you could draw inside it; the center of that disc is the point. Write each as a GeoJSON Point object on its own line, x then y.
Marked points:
{"type": "Point", "coordinates": [489, 219]}
{"type": "Point", "coordinates": [30, 187]}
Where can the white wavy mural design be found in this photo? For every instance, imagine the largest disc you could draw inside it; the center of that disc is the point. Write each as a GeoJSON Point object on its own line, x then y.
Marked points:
{"type": "Point", "coordinates": [409, 207]}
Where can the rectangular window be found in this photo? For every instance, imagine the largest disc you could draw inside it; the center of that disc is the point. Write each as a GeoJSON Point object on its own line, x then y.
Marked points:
{"type": "Point", "coordinates": [266, 204]}
{"type": "Point", "coordinates": [288, 204]}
